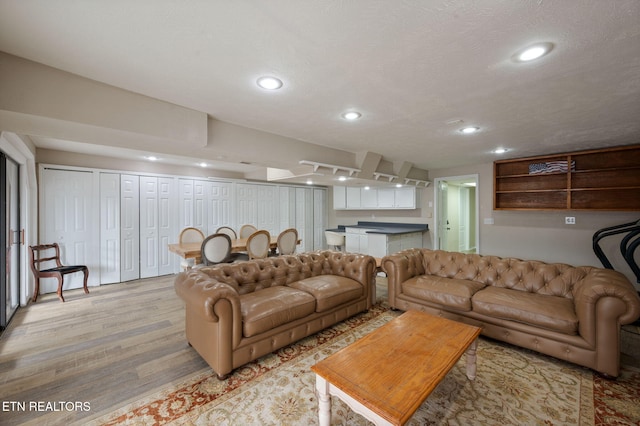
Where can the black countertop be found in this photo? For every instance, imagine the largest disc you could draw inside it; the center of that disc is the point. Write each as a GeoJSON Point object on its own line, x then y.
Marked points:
{"type": "Point", "coordinates": [385, 227]}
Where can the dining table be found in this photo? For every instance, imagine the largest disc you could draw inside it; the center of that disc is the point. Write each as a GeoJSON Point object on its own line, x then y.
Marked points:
{"type": "Point", "coordinates": [192, 250]}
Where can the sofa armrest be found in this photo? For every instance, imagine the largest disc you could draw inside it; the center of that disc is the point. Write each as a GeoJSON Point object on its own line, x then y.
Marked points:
{"type": "Point", "coordinates": [400, 267]}
{"type": "Point", "coordinates": [201, 293]}
{"type": "Point", "coordinates": [604, 293]}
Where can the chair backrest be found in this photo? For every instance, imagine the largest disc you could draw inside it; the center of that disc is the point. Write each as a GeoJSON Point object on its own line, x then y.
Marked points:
{"type": "Point", "coordinates": [44, 253]}
{"type": "Point", "coordinates": [216, 248]}
{"type": "Point", "coordinates": [334, 238]}
{"type": "Point", "coordinates": [227, 230]}
{"type": "Point", "coordinates": [258, 244]}
{"type": "Point", "coordinates": [247, 230]}
{"type": "Point", "coordinates": [191, 235]}
{"type": "Point", "coordinates": [287, 241]}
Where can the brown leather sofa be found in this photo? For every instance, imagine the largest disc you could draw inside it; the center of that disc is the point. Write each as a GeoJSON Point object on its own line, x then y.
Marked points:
{"type": "Point", "coordinates": [238, 312]}
{"type": "Point", "coordinates": [571, 313]}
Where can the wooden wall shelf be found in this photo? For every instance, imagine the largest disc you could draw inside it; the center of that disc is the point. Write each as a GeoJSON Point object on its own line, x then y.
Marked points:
{"type": "Point", "coordinates": [604, 179]}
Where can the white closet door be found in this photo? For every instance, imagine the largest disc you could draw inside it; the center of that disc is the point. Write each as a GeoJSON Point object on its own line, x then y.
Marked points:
{"type": "Point", "coordinates": [167, 225]}
{"type": "Point", "coordinates": [149, 238]}
{"type": "Point", "coordinates": [304, 218]}
{"type": "Point", "coordinates": [267, 205]}
{"type": "Point", "coordinates": [319, 217]}
{"type": "Point", "coordinates": [129, 227]}
{"type": "Point", "coordinates": [287, 207]}
{"type": "Point", "coordinates": [246, 205]}
{"type": "Point", "coordinates": [200, 191]}
{"type": "Point", "coordinates": [66, 219]}
{"type": "Point", "coordinates": [219, 206]}
{"type": "Point", "coordinates": [186, 202]}
{"type": "Point", "coordinates": [109, 228]}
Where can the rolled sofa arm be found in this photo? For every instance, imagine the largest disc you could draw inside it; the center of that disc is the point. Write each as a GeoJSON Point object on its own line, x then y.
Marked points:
{"type": "Point", "coordinates": [399, 267]}
{"type": "Point", "coordinates": [201, 293]}
{"type": "Point", "coordinates": [600, 283]}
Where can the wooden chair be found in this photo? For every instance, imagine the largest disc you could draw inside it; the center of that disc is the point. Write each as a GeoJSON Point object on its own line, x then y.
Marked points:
{"type": "Point", "coordinates": [228, 231]}
{"type": "Point", "coordinates": [189, 235]}
{"type": "Point", "coordinates": [37, 256]}
{"type": "Point", "coordinates": [247, 230]}
{"type": "Point", "coordinates": [258, 244]}
{"type": "Point", "coordinates": [216, 249]}
{"type": "Point", "coordinates": [287, 241]}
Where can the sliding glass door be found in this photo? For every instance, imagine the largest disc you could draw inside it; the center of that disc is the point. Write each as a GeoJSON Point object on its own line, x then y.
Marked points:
{"type": "Point", "coordinates": [10, 235]}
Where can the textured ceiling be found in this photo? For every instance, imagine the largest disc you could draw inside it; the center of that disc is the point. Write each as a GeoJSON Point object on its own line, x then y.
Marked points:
{"type": "Point", "coordinates": [410, 67]}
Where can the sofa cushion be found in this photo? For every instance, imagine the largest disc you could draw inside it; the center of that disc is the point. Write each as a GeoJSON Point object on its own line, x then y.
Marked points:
{"type": "Point", "coordinates": [329, 290]}
{"type": "Point", "coordinates": [270, 307]}
{"type": "Point", "coordinates": [449, 292]}
{"type": "Point", "coordinates": [550, 312]}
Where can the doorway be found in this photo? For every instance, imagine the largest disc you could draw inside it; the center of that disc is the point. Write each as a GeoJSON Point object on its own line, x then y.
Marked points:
{"type": "Point", "coordinates": [11, 236]}
{"type": "Point", "coordinates": [456, 214]}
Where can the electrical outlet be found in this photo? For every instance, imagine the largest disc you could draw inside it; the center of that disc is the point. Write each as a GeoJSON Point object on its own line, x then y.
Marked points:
{"type": "Point", "coordinates": [569, 220]}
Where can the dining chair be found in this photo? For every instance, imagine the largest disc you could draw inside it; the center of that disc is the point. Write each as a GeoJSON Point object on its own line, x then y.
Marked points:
{"type": "Point", "coordinates": [287, 241]}
{"type": "Point", "coordinates": [190, 235]}
{"type": "Point", "coordinates": [216, 249]}
{"type": "Point", "coordinates": [228, 231]}
{"type": "Point", "coordinates": [258, 244]}
{"type": "Point", "coordinates": [247, 230]}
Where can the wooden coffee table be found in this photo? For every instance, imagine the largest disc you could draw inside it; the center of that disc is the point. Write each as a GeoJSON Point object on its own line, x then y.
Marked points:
{"type": "Point", "coordinates": [387, 375]}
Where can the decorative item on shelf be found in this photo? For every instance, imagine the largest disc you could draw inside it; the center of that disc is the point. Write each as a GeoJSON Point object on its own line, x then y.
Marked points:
{"type": "Point", "coordinates": [551, 167]}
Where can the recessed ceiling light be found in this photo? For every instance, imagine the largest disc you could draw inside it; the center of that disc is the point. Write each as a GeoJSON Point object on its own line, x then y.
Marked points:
{"type": "Point", "coordinates": [351, 115]}
{"type": "Point", "coordinates": [269, 83]}
{"type": "Point", "coordinates": [500, 150]}
{"type": "Point", "coordinates": [532, 52]}
{"type": "Point", "coordinates": [398, 185]}
{"type": "Point", "coordinates": [152, 158]}
{"type": "Point", "coordinates": [203, 164]}
{"type": "Point", "coordinates": [342, 178]}
{"type": "Point", "coordinates": [469, 130]}
{"type": "Point", "coordinates": [309, 182]}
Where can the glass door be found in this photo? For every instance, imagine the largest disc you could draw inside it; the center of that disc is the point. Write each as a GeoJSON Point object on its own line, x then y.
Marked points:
{"type": "Point", "coordinates": [11, 237]}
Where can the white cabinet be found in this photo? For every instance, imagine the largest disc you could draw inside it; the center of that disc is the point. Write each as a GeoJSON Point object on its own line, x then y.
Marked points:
{"type": "Point", "coordinates": [369, 198]}
{"type": "Point", "coordinates": [356, 240]}
{"type": "Point", "coordinates": [339, 197]}
{"type": "Point", "coordinates": [353, 197]}
{"type": "Point", "coordinates": [357, 198]}
{"type": "Point", "coordinates": [380, 245]}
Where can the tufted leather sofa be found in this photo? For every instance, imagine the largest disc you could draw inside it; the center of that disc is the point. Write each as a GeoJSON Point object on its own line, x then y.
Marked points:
{"type": "Point", "coordinates": [571, 313]}
{"type": "Point", "coordinates": [238, 312]}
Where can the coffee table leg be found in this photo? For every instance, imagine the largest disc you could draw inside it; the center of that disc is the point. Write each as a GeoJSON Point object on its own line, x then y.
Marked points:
{"type": "Point", "coordinates": [471, 360]}
{"type": "Point", "coordinates": [324, 401]}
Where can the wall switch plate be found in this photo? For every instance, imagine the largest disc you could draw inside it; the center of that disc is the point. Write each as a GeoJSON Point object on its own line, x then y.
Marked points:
{"type": "Point", "coordinates": [569, 220]}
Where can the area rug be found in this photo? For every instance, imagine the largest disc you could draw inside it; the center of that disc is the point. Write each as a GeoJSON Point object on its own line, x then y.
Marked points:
{"type": "Point", "coordinates": [513, 387]}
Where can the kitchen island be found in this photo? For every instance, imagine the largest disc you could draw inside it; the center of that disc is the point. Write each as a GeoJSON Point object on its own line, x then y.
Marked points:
{"type": "Point", "coordinates": [378, 239]}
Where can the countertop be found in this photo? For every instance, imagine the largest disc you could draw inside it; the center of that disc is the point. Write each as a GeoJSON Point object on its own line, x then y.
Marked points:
{"type": "Point", "coordinates": [385, 227]}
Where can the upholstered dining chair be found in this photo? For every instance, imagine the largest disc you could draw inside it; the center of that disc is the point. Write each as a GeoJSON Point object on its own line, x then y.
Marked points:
{"type": "Point", "coordinates": [228, 231]}
{"type": "Point", "coordinates": [216, 249]}
{"type": "Point", "coordinates": [247, 230]}
{"type": "Point", "coordinates": [287, 241]}
{"type": "Point", "coordinates": [190, 235]}
{"type": "Point", "coordinates": [258, 244]}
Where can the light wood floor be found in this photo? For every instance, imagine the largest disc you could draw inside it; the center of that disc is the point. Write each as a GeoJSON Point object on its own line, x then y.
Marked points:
{"type": "Point", "coordinates": [108, 348]}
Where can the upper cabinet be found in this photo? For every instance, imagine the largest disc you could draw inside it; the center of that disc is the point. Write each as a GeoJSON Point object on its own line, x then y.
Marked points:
{"type": "Point", "coordinates": [605, 179]}
{"type": "Point", "coordinates": [357, 198]}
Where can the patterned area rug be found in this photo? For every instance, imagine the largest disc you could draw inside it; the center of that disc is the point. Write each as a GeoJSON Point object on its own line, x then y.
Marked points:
{"type": "Point", "coordinates": [513, 387]}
